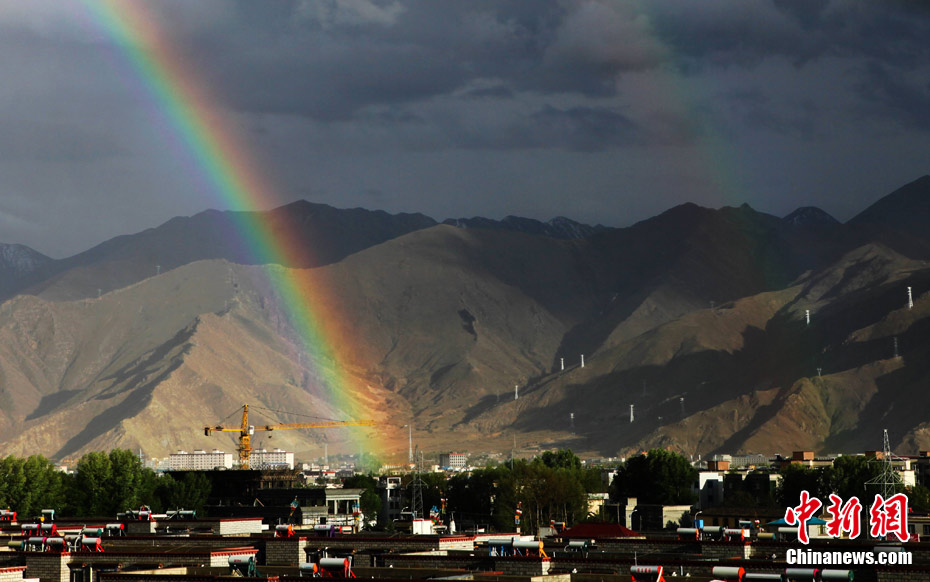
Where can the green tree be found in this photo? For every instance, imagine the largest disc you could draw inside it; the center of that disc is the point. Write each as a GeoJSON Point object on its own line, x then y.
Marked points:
{"type": "Point", "coordinates": [472, 498]}
{"type": "Point", "coordinates": [127, 485]}
{"type": "Point", "coordinates": [658, 476]}
{"type": "Point", "coordinates": [797, 478]}
{"type": "Point", "coordinates": [561, 459]}
{"type": "Point", "coordinates": [30, 485]}
{"type": "Point", "coordinates": [191, 492]}
{"type": "Point", "coordinates": [105, 484]}
{"type": "Point", "coordinates": [370, 501]}
{"type": "Point", "coordinates": [919, 499]}
{"type": "Point", "coordinates": [849, 477]}
{"type": "Point", "coordinates": [90, 486]}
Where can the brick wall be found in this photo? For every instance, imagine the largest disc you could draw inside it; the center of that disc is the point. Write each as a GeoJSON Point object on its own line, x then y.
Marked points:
{"type": "Point", "coordinates": [519, 566]}
{"type": "Point", "coordinates": [136, 528]}
{"type": "Point", "coordinates": [205, 542]}
{"type": "Point", "coordinates": [142, 577]}
{"type": "Point", "coordinates": [723, 550]}
{"type": "Point", "coordinates": [12, 574]}
{"type": "Point", "coordinates": [453, 561]}
{"type": "Point", "coordinates": [232, 527]}
{"type": "Point", "coordinates": [48, 567]}
{"type": "Point", "coordinates": [285, 551]}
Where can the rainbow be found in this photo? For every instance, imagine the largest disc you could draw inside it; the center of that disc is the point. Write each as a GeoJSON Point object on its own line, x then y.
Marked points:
{"type": "Point", "coordinates": [233, 177]}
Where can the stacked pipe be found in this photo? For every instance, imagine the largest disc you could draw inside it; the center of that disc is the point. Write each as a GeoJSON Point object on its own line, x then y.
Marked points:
{"type": "Point", "coordinates": [688, 534]}
{"type": "Point", "coordinates": [324, 530]}
{"type": "Point", "coordinates": [309, 570]}
{"type": "Point", "coordinates": [836, 575]}
{"type": "Point", "coordinates": [284, 531]}
{"type": "Point", "coordinates": [56, 545]}
{"type": "Point", "coordinates": [712, 532]}
{"type": "Point", "coordinates": [48, 529]}
{"type": "Point", "coordinates": [529, 547]}
{"type": "Point", "coordinates": [501, 546]}
{"type": "Point", "coordinates": [647, 574]}
{"type": "Point", "coordinates": [787, 534]}
{"type": "Point", "coordinates": [728, 573]}
{"type": "Point", "coordinates": [35, 543]}
{"type": "Point", "coordinates": [29, 529]}
{"type": "Point", "coordinates": [331, 567]}
{"type": "Point", "coordinates": [115, 530]}
{"type": "Point", "coordinates": [732, 534]}
{"type": "Point", "coordinates": [7, 515]}
{"type": "Point", "coordinates": [578, 546]}
{"type": "Point", "coordinates": [89, 544]}
{"type": "Point", "coordinates": [242, 565]}
{"type": "Point", "coordinates": [73, 541]}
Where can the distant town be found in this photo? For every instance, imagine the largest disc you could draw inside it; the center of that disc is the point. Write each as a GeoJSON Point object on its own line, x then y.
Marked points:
{"type": "Point", "coordinates": [118, 517]}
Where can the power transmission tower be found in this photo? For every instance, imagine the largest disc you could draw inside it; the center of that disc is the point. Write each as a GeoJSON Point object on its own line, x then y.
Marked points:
{"type": "Point", "coordinates": [888, 482]}
{"type": "Point", "coordinates": [417, 484]}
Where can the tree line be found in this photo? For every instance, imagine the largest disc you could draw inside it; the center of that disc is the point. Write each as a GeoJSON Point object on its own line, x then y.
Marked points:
{"type": "Point", "coordinates": [102, 484]}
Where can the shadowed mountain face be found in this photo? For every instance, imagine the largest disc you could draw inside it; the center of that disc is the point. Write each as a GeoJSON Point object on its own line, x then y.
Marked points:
{"type": "Point", "coordinates": [558, 227]}
{"type": "Point", "coordinates": [20, 266]}
{"type": "Point", "coordinates": [326, 235]}
{"type": "Point", "coordinates": [726, 330]}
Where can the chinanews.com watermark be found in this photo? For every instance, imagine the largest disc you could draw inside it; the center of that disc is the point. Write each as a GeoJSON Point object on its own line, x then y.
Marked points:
{"type": "Point", "coordinates": [800, 557]}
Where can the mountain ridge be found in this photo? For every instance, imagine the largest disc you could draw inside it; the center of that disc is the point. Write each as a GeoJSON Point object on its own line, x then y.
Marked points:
{"type": "Point", "coordinates": [697, 317]}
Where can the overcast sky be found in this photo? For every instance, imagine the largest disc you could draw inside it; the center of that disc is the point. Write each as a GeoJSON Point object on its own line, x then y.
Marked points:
{"type": "Point", "coordinates": [602, 111]}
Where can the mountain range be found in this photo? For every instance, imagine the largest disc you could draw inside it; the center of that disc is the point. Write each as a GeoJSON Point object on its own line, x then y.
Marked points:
{"type": "Point", "coordinates": [702, 331]}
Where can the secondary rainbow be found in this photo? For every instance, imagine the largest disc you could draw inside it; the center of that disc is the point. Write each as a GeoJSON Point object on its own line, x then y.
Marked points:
{"type": "Point", "coordinates": [232, 175]}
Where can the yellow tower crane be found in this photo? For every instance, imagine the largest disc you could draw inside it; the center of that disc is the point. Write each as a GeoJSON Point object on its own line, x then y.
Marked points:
{"type": "Point", "coordinates": [246, 431]}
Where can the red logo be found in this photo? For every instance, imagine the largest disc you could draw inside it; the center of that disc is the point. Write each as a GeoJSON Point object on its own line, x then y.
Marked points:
{"type": "Point", "coordinates": [886, 516]}
{"type": "Point", "coordinates": [801, 514]}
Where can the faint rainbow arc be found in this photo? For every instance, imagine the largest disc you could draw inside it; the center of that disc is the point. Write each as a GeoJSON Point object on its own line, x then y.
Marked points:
{"type": "Point", "coordinates": [230, 171]}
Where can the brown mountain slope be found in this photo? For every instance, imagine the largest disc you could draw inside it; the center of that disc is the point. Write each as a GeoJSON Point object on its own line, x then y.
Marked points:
{"type": "Point", "coordinates": [739, 377]}
{"type": "Point", "coordinates": [439, 325]}
{"type": "Point", "coordinates": [150, 365]}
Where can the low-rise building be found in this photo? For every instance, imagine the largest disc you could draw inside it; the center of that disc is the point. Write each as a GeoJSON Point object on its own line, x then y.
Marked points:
{"type": "Point", "coordinates": [453, 460]}
{"type": "Point", "coordinates": [262, 458]}
{"type": "Point", "coordinates": [200, 460]}
{"type": "Point", "coordinates": [392, 498]}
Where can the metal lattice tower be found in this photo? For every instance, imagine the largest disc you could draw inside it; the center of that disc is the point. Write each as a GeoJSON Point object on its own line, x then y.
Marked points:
{"type": "Point", "coordinates": [417, 485]}
{"type": "Point", "coordinates": [888, 482]}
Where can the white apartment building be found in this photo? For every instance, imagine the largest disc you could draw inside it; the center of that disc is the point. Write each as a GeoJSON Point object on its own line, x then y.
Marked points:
{"type": "Point", "coordinates": [262, 458]}
{"type": "Point", "coordinates": [200, 460]}
{"type": "Point", "coordinates": [453, 460]}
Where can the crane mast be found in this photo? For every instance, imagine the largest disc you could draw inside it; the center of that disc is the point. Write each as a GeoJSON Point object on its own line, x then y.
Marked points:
{"type": "Point", "coordinates": [246, 431]}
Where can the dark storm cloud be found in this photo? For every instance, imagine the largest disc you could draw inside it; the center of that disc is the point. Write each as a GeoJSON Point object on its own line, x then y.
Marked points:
{"type": "Point", "coordinates": [584, 128]}
{"type": "Point", "coordinates": [53, 142]}
{"type": "Point", "coordinates": [330, 61]}
{"type": "Point", "coordinates": [890, 95]}
{"type": "Point", "coordinates": [726, 32]}
{"type": "Point", "coordinates": [581, 129]}
{"type": "Point", "coordinates": [510, 106]}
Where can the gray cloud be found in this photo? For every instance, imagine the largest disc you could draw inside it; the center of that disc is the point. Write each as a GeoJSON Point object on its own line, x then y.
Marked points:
{"type": "Point", "coordinates": [603, 110]}
{"type": "Point", "coordinates": [890, 94]}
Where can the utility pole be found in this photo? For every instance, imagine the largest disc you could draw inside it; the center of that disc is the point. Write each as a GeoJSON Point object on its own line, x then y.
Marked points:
{"type": "Point", "coordinates": [409, 428]}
